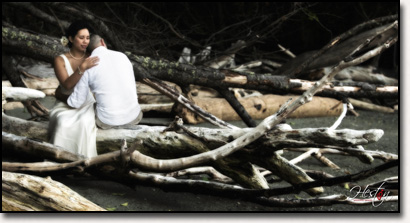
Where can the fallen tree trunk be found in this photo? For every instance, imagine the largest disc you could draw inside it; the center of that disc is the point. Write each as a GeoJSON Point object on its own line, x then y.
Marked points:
{"type": "Point", "coordinates": [364, 74]}
{"type": "Point", "coordinates": [220, 187]}
{"type": "Point", "coordinates": [45, 48]}
{"type": "Point", "coordinates": [167, 144]}
{"type": "Point", "coordinates": [178, 97]}
{"type": "Point", "coordinates": [48, 85]}
{"type": "Point", "coordinates": [144, 67]}
{"type": "Point", "coordinates": [243, 144]}
{"type": "Point", "coordinates": [237, 106]}
{"type": "Point", "coordinates": [370, 106]}
{"type": "Point", "coordinates": [260, 107]}
{"type": "Point", "coordinates": [245, 139]}
{"type": "Point", "coordinates": [41, 47]}
{"type": "Point", "coordinates": [22, 192]}
{"type": "Point", "coordinates": [228, 189]}
{"type": "Point", "coordinates": [33, 106]}
{"type": "Point", "coordinates": [282, 134]}
{"type": "Point", "coordinates": [147, 94]}
{"type": "Point", "coordinates": [341, 47]}
{"type": "Point", "coordinates": [171, 145]}
{"type": "Point", "coordinates": [364, 90]}
{"type": "Point", "coordinates": [212, 187]}
{"type": "Point", "coordinates": [20, 94]}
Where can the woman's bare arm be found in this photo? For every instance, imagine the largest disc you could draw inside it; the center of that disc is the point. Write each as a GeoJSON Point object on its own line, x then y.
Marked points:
{"type": "Point", "coordinates": [69, 82]}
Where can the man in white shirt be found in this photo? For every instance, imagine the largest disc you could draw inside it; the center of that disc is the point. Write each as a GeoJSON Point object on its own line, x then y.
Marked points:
{"type": "Point", "coordinates": [112, 82]}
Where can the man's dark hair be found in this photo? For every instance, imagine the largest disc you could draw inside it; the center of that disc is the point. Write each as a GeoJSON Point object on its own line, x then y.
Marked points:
{"type": "Point", "coordinates": [94, 42]}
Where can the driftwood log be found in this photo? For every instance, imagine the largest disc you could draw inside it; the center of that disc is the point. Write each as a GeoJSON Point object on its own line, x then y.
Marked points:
{"type": "Point", "coordinates": [260, 107]}
{"type": "Point", "coordinates": [370, 106]}
{"type": "Point", "coordinates": [348, 42]}
{"type": "Point", "coordinates": [162, 144]}
{"type": "Point", "coordinates": [227, 190]}
{"type": "Point", "coordinates": [155, 138]}
{"type": "Point", "coordinates": [235, 157]}
{"type": "Point", "coordinates": [27, 44]}
{"type": "Point", "coordinates": [22, 192]}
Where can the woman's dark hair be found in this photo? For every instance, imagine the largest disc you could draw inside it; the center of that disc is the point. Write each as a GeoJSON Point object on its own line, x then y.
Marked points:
{"type": "Point", "coordinates": [73, 29]}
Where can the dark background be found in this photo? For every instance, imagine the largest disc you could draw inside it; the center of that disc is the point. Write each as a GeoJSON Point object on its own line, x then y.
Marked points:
{"type": "Point", "coordinates": [145, 28]}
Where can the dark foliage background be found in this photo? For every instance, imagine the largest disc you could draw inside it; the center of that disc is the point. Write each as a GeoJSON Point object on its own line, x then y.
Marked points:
{"type": "Point", "coordinates": [162, 29]}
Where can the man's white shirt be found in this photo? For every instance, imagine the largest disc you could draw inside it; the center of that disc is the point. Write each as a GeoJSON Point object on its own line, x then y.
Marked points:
{"type": "Point", "coordinates": [112, 82]}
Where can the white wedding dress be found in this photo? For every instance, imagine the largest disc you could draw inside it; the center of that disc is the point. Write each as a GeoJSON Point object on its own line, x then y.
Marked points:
{"type": "Point", "coordinates": [74, 129]}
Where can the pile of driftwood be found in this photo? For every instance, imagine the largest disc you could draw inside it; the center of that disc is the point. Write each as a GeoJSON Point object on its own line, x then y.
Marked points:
{"type": "Point", "coordinates": [237, 158]}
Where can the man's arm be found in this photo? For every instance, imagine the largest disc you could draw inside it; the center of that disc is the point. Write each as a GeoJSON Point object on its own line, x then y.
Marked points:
{"type": "Point", "coordinates": [80, 93]}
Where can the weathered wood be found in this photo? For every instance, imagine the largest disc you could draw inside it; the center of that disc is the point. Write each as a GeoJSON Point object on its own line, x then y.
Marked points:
{"type": "Point", "coordinates": [171, 145]}
{"type": "Point", "coordinates": [9, 67]}
{"type": "Point", "coordinates": [237, 106]}
{"type": "Point", "coordinates": [182, 74]}
{"type": "Point", "coordinates": [235, 192]}
{"type": "Point", "coordinates": [245, 175]}
{"type": "Point", "coordinates": [304, 155]}
{"type": "Point", "coordinates": [147, 94]}
{"type": "Point", "coordinates": [183, 145]}
{"type": "Point", "coordinates": [284, 169]}
{"type": "Point", "coordinates": [21, 94]}
{"type": "Point", "coordinates": [358, 90]}
{"type": "Point", "coordinates": [227, 57]}
{"type": "Point", "coordinates": [165, 108]}
{"type": "Point", "coordinates": [25, 95]}
{"type": "Point", "coordinates": [345, 151]}
{"type": "Point", "coordinates": [247, 66]}
{"type": "Point", "coordinates": [21, 127]}
{"type": "Point", "coordinates": [223, 151]}
{"type": "Point", "coordinates": [163, 144]}
{"type": "Point", "coordinates": [178, 97]}
{"type": "Point", "coordinates": [22, 192]}
{"type": "Point", "coordinates": [363, 74]}
{"type": "Point", "coordinates": [47, 85]}
{"type": "Point", "coordinates": [210, 171]}
{"type": "Point", "coordinates": [370, 106]}
{"type": "Point", "coordinates": [325, 160]}
{"type": "Point", "coordinates": [16, 39]}
{"type": "Point", "coordinates": [260, 107]}
{"type": "Point", "coordinates": [34, 11]}
{"type": "Point", "coordinates": [96, 23]}
{"type": "Point", "coordinates": [240, 192]}
{"type": "Point", "coordinates": [341, 47]}
{"type": "Point", "coordinates": [35, 148]}
{"type": "Point", "coordinates": [46, 48]}
{"type": "Point", "coordinates": [41, 47]}
{"type": "Point", "coordinates": [246, 139]}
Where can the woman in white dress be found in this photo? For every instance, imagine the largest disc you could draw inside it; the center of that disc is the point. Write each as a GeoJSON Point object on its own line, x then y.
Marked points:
{"type": "Point", "coordinates": [74, 129]}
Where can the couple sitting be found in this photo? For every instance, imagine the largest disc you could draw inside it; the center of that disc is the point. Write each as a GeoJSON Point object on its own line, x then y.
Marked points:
{"type": "Point", "coordinates": [108, 75]}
